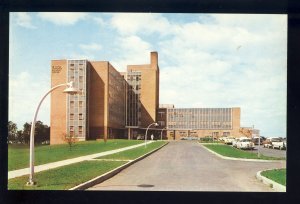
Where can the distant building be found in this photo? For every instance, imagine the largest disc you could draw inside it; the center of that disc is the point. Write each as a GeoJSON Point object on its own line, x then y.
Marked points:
{"type": "Point", "coordinates": [200, 122]}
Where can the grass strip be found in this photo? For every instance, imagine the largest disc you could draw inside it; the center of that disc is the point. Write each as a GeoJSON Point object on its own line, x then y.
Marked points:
{"type": "Point", "coordinates": [277, 175]}
{"type": "Point", "coordinates": [134, 153]}
{"type": "Point", "coordinates": [229, 151]}
{"type": "Point", "coordinates": [18, 155]}
{"type": "Point", "coordinates": [66, 177]}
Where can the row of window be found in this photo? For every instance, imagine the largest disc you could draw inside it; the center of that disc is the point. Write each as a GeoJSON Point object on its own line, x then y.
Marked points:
{"type": "Point", "coordinates": [72, 104]}
{"type": "Point", "coordinates": [80, 116]}
{"type": "Point", "coordinates": [80, 130]}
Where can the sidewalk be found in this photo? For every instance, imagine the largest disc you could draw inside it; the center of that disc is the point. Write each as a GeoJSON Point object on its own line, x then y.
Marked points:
{"type": "Point", "coordinates": [43, 167]}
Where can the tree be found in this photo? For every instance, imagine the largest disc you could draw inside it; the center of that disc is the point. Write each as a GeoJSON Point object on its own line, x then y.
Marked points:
{"type": "Point", "coordinates": [41, 133]}
{"type": "Point", "coordinates": [70, 140]}
{"type": "Point", "coordinates": [20, 137]}
{"type": "Point", "coordinates": [12, 131]}
{"type": "Point", "coordinates": [26, 132]}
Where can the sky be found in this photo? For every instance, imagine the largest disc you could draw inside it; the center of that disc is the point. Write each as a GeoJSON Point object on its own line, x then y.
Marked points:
{"type": "Point", "coordinates": [205, 60]}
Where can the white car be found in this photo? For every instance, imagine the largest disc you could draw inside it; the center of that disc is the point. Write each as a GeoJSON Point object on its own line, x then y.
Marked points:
{"type": "Point", "coordinates": [279, 143]}
{"type": "Point", "coordinates": [222, 138]}
{"type": "Point", "coordinates": [244, 143]}
{"type": "Point", "coordinates": [235, 141]}
{"type": "Point", "coordinates": [229, 140]}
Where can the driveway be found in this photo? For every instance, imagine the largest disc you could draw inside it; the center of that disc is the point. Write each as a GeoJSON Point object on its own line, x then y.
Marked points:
{"type": "Point", "coordinates": [187, 166]}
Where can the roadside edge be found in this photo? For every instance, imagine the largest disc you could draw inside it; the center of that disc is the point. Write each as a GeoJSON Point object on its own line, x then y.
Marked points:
{"type": "Point", "coordinates": [276, 186]}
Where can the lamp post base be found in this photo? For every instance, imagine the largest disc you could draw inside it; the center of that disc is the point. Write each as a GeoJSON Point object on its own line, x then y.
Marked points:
{"type": "Point", "coordinates": [30, 183]}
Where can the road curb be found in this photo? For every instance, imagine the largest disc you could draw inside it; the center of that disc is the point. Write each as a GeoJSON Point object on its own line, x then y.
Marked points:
{"type": "Point", "coordinates": [276, 186]}
{"type": "Point", "coordinates": [111, 173]}
{"type": "Point", "coordinates": [238, 159]}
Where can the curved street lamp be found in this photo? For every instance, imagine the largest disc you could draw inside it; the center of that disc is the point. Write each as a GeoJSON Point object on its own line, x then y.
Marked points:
{"type": "Point", "coordinates": [155, 124]}
{"type": "Point", "coordinates": [69, 90]}
{"type": "Point", "coordinates": [165, 128]}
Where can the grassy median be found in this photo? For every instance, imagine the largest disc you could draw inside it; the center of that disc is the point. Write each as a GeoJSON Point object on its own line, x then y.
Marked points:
{"type": "Point", "coordinates": [66, 177]}
{"type": "Point", "coordinates": [18, 155]}
{"type": "Point", "coordinates": [229, 151]}
{"type": "Point", "coordinates": [277, 175]}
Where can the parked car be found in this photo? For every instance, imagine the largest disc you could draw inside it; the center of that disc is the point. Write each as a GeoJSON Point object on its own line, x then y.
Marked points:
{"type": "Point", "coordinates": [222, 138]}
{"type": "Point", "coordinates": [268, 142]}
{"type": "Point", "coordinates": [244, 143]}
{"type": "Point", "coordinates": [279, 143]}
{"type": "Point", "coordinates": [229, 140]}
{"type": "Point", "coordinates": [255, 140]}
{"type": "Point", "coordinates": [235, 141]}
{"type": "Point", "coordinates": [140, 137]}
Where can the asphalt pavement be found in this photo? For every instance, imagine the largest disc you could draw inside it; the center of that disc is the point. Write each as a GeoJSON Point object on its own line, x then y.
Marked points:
{"type": "Point", "coordinates": [187, 166]}
{"type": "Point", "coordinates": [269, 152]}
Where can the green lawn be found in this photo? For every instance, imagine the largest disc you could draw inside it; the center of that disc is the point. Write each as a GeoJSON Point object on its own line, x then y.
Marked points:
{"type": "Point", "coordinates": [277, 175]}
{"type": "Point", "coordinates": [18, 155]}
{"type": "Point", "coordinates": [229, 151]}
{"type": "Point", "coordinates": [134, 153]}
{"type": "Point", "coordinates": [66, 177]}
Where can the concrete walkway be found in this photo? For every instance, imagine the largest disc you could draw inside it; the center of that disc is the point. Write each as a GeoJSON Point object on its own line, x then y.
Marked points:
{"type": "Point", "coordinates": [43, 167]}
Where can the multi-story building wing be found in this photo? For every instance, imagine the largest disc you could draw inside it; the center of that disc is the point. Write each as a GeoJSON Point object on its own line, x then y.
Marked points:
{"type": "Point", "coordinates": [201, 122]}
{"type": "Point", "coordinates": [148, 88]}
{"type": "Point", "coordinates": [77, 108]}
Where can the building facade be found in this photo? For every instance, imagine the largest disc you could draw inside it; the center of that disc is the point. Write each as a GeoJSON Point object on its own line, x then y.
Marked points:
{"type": "Point", "coordinates": [111, 104]}
{"type": "Point", "coordinates": [199, 122]}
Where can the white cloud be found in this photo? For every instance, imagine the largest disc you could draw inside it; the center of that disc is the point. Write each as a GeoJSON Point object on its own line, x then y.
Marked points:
{"type": "Point", "coordinates": [229, 63]}
{"type": "Point", "coordinates": [99, 21]}
{"type": "Point", "coordinates": [25, 92]}
{"type": "Point", "coordinates": [253, 22]}
{"type": "Point", "coordinates": [144, 23]}
{"type": "Point", "coordinates": [24, 19]}
{"type": "Point", "coordinates": [132, 50]}
{"type": "Point", "coordinates": [62, 18]}
{"type": "Point", "coordinates": [90, 47]}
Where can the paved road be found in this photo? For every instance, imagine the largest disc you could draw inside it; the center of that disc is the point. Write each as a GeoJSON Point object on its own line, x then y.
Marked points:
{"type": "Point", "coordinates": [270, 152]}
{"type": "Point", "coordinates": [187, 166]}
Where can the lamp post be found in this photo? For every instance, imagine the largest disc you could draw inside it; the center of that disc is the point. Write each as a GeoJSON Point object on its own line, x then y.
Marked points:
{"type": "Point", "coordinates": [161, 132]}
{"type": "Point", "coordinates": [69, 90]}
{"type": "Point", "coordinates": [155, 124]}
{"type": "Point", "coordinates": [258, 148]}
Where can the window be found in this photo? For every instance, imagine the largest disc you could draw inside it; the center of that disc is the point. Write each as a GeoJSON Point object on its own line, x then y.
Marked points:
{"type": "Point", "coordinates": [71, 128]}
{"type": "Point", "coordinates": [80, 130]}
{"type": "Point", "coordinates": [80, 116]}
{"type": "Point", "coordinates": [80, 103]}
{"type": "Point", "coordinates": [226, 133]}
{"type": "Point", "coordinates": [161, 114]}
{"type": "Point", "coordinates": [161, 123]}
{"type": "Point", "coordinates": [80, 78]}
{"type": "Point", "coordinates": [81, 92]}
{"type": "Point", "coordinates": [71, 116]}
{"type": "Point", "coordinates": [72, 104]}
